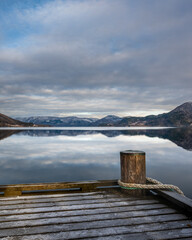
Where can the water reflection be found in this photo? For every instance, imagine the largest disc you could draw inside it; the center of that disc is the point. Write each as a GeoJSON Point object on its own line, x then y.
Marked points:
{"type": "Point", "coordinates": [61, 155]}
{"type": "Point", "coordinates": [180, 136]}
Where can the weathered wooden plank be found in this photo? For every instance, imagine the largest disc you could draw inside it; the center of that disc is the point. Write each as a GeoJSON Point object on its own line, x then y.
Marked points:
{"type": "Point", "coordinates": [185, 233]}
{"type": "Point", "coordinates": [76, 207]}
{"type": "Point", "coordinates": [173, 234]}
{"type": "Point", "coordinates": [89, 225]}
{"type": "Point", "coordinates": [183, 202]}
{"type": "Point", "coordinates": [14, 190]}
{"type": "Point", "coordinates": [55, 199]}
{"type": "Point", "coordinates": [86, 218]}
{"type": "Point", "coordinates": [134, 236]}
{"type": "Point", "coordinates": [107, 230]}
{"type": "Point", "coordinates": [66, 203]}
{"type": "Point", "coordinates": [89, 215]}
{"type": "Point", "coordinates": [130, 236]}
{"type": "Point", "coordinates": [49, 196]}
{"type": "Point", "coordinates": [18, 202]}
{"type": "Point", "coordinates": [98, 182]}
{"type": "Point", "coordinates": [62, 203]}
{"type": "Point", "coordinates": [130, 211]}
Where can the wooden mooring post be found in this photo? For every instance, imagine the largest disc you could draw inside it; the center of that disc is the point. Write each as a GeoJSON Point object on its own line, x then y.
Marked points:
{"type": "Point", "coordinates": [133, 170]}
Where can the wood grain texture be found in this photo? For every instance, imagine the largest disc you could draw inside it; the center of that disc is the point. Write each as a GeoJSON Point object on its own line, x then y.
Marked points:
{"type": "Point", "coordinates": [107, 229]}
{"type": "Point", "coordinates": [19, 189]}
{"type": "Point", "coordinates": [97, 215]}
{"type": "Point", "coordinates": [133, 170]}
{"type": "Point", "coordinates": [75, 207]}
{"type": "Point", "coordinates": [142, 222]}
{"type": "Point", "coordinates": [182, 202]}
{"type": "Point", "coordinates": [133, 167]}
{"type": "Point", "coordinates": [159, 213]}
{"type": "Point", "coordinates": [130, 210]}
{"type": "Point", "coordinates": [63, 203]}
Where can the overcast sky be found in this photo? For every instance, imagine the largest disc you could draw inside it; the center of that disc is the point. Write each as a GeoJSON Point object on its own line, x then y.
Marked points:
{"type": "Point", "coordinates": [94, 57]}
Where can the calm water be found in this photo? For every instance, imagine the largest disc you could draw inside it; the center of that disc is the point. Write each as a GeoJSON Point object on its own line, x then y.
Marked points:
{"type": "Point", "coordinates": [51, 155]}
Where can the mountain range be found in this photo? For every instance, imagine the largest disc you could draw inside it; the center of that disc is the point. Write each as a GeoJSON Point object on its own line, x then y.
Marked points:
{"type": "Point", "coordinates": [181, 116]}
{"type": "Point", "coordinates": [109, 120]}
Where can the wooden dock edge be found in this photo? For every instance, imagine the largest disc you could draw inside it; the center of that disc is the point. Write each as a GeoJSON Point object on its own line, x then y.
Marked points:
{"type": "Point", "coordinates": [59, 187]}
{"type": "Point", "coordinates": [181, 202]}
{"type": "Point", "coordinates": [184, 203]}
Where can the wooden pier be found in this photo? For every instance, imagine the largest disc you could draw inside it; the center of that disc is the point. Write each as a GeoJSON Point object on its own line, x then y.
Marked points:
{"type": "Point", "coordinates": [92, 210]}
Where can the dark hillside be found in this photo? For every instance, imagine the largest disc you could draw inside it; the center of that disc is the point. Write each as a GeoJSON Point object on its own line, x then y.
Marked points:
{"type": "Point", "coordinates": [181, 116]}
{"type": "Point", "coordinates": [6, 121]}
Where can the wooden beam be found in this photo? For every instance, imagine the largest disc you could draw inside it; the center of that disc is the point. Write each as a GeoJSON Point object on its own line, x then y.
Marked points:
{"type": "Point", "coordinates": [182, 202]}
{"type": "Point", "coordinates": [18, 189]}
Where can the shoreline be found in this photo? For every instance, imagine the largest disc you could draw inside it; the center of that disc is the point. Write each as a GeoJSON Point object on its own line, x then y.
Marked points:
{"type": "Point", "coordinates": [83, 128]}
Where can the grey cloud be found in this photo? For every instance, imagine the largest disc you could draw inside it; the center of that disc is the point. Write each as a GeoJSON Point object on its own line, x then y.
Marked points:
{"type": "Point", "coordinates": [140, 48]}
{"type": "Point", "coordinates": [127, 101]}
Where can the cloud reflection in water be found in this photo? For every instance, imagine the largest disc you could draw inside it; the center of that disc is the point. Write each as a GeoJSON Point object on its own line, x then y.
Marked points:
{"type": "Point", "coordinates": [27, 159]}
